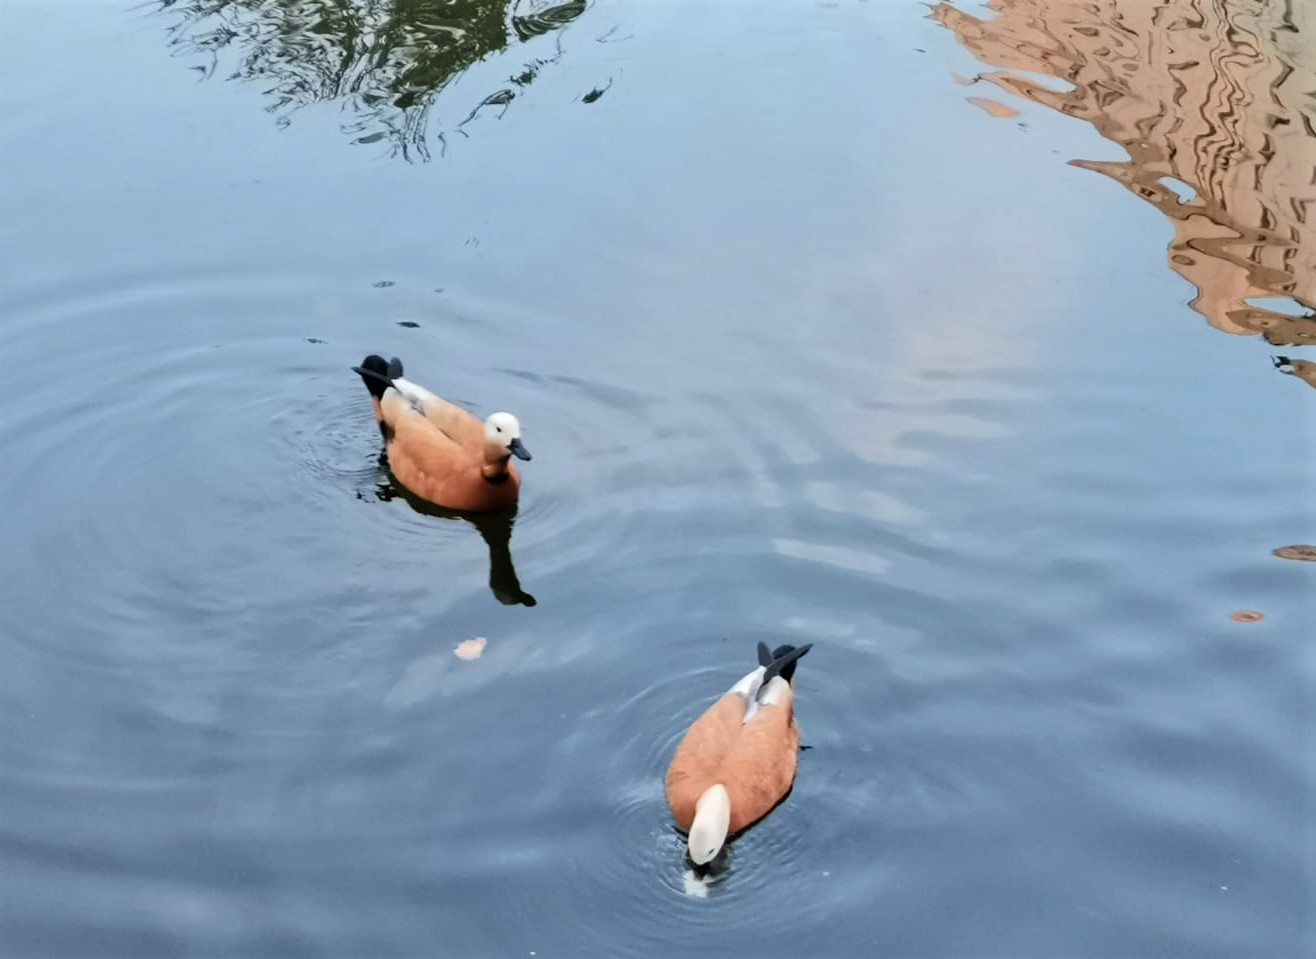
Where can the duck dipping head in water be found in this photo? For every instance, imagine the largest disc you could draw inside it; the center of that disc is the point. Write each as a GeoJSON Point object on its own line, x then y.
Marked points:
{"type": "Point", "coordinates": [737, 760]}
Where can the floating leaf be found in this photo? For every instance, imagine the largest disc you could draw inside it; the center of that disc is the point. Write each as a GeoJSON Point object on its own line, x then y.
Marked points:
{"type": "Point", "coordinates": [1246, 616]}
{"type": "Point", "coordinates": [1303, 553]}
{"type": "Point", "coordinates": [996, 109]}
{"type": "Point", "coordinates": [964, 81]}
{"type": "Point", "coordinates": [471, 648]}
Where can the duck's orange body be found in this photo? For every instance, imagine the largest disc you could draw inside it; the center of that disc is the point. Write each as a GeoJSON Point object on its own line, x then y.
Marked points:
{"type": "Point", "coordinates": [747, 742]}
{"type": "Point", "coordinates": [754, 760]}
{"type": "Point", "coordinates": [438, 450]}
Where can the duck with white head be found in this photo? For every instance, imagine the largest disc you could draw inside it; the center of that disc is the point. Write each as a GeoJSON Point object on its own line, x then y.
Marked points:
{"type": "Point", "coordinates": [437, 450]}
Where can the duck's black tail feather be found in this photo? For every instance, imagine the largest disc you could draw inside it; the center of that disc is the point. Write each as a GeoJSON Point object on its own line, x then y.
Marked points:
{"type": "Point", "coordinates": [378, 373]}
{"type": "Point", "coordinates": [783, 661]}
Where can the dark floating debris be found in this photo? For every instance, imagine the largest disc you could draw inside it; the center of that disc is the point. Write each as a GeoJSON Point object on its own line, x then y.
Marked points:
{"type": "Point", "coordinates": [596, 93]}
{"type": "Point", "coordinates": [314, 339]}
{"type": "Point", "coordinates": [409, 324]}
{"type": "Point", "coordinates": [380, 284]}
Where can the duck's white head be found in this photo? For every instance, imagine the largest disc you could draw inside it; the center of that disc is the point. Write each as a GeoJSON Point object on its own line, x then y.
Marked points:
{"type": "Point", "coordinates": [708, 832]}
{"type": "Point", "coordinates": [503, 430]}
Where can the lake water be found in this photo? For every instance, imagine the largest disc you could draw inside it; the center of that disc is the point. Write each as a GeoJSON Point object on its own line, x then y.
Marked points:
{"type": "Point", "coordinates": [977, 397]}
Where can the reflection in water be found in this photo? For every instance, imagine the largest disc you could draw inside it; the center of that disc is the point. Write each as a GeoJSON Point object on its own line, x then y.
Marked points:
{"type": "Point", "coordinates": [385, 60]}
{"type": "Point", "coordinates": [1303, 369]}
{"type": "Point", "coordinates": [1214, 94]}
{"type": "Point", "coordinates": [496, 530]}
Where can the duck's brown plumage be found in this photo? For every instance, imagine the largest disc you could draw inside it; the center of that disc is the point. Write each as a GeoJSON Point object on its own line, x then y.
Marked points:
{"type": "Point", "coordinates": [754, 760]}
{"type": "Point", "coordinates": [438, 451]}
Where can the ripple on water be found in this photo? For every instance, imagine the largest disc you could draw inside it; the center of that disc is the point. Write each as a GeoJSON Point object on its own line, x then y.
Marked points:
{"type": "Point", "coordinates": [622, 760]}
{"type": "Point", "coordinates": [816, 847]}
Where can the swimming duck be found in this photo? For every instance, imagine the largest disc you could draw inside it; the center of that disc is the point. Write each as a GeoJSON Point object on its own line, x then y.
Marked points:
{"type": "Point", "coordinates": [737, 761]}
{"type": "Point", "coordinates": [437, 450]}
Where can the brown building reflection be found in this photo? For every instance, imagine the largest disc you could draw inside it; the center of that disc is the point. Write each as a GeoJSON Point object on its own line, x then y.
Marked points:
{"type": "Point", "coordinates": [1217, 94]}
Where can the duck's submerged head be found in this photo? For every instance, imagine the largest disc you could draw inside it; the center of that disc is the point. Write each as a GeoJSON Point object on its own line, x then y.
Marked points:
{"type": "Point", "coordinates": [502, 437]}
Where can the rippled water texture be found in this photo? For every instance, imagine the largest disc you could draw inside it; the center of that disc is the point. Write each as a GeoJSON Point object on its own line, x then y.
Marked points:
{"type": "Point", "coordinates": [807, 349]}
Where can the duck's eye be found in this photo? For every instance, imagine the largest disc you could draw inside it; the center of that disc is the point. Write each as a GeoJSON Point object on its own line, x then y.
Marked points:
{"type": "Point", "coordinates": [498, 428]}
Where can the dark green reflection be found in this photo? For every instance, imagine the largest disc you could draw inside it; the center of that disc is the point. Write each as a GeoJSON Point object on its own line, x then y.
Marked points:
{"type": "Point", "coordinates": [385, 60]}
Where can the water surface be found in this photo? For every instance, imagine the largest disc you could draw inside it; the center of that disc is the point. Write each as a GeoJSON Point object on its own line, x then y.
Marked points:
{"type": "Point", "coordinates": [807, 348]}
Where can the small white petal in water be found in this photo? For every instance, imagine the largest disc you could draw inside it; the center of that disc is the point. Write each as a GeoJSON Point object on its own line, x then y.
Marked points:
{"type": "Point", "coordinates": [695, 885]}
{"type": "Point", "coordinates": [471, 648]}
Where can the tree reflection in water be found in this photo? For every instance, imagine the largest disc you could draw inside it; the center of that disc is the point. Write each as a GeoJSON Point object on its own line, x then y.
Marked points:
{"type": "Point", "coordinates": [385, 61]}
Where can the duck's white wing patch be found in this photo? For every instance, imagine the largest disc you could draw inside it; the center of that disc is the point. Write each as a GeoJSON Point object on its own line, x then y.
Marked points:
{"type": "Point", "coordinates": [416, 395]}
{"type": "Point", "coordinates": [747, 687]}
{"type": "Point", "coordinates": [773, 692]}
{"type": "Point", "coordinates": [769, 694]}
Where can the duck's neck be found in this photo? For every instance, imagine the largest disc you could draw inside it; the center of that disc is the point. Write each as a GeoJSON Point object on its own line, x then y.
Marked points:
{"type": "Point", "coordinates": [495, 470]}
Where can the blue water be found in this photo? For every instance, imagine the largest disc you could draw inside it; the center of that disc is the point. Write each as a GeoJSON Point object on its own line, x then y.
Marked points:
{"type": "Point", "coordinates": [806, 348]}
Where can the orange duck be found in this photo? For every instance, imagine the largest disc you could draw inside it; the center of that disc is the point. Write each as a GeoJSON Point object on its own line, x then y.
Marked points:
{"type": "Point", "coordinates": [436, 449]}
{"type": "Point", "coordinates": [737, 761]}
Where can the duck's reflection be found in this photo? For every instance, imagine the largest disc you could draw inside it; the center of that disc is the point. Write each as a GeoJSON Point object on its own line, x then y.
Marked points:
{"type": "Point", "coordinates": [1304, 370]}
{"type": "Point", "coordinates": [496, 530]}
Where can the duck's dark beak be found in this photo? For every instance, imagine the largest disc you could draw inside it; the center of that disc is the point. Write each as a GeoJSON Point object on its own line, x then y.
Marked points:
{"type": "Point", "coordinates": [519, 451]}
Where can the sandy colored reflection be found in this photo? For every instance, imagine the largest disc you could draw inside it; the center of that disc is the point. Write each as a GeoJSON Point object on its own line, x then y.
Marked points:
{"type": "Point", "coordinates": [1218, 94]}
